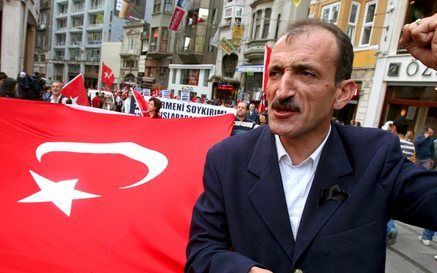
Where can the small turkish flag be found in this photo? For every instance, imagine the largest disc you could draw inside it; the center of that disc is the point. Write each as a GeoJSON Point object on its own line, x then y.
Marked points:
{"type": "Point", "coordinates": [76, 91]}
{"type": "Point", "coordinates": [91, 192]}
{"type": "Point", "coordinates": [108, 77]}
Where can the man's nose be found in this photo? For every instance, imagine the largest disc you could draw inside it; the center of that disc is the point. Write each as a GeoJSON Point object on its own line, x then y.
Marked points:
{"type": "Point", "coordinates": [286, 86]}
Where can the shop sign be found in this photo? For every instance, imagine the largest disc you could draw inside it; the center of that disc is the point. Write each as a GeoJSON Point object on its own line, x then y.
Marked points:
{"type": "Point", "coordinates": [237, 35]}
{"type": "Point", "coordinates": [408, 69]}
{"type": "Point", "coordinates": [227, 47]}
{"type": "Point", "coordinates": [148, 79]}
{"type": "Point", "coordinates": [250, 68]}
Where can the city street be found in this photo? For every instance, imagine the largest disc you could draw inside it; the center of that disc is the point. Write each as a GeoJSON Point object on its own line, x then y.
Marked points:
{"type": "Point", "coordinates": [409, 255]}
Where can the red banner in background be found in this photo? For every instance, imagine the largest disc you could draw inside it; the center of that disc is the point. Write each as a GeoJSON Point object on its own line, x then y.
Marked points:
{"type": "Point", "coordinates": [90, 192]}
{"type": "Point", "coordinates": [176, 19]}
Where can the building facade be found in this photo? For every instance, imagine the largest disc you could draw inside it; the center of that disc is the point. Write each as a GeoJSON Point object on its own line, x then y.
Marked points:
{"type": "Point", "coordinates": [160, 42]}
{"type": "Point", "coordinates": [402, 86]}
{"type": "Point", "coordinates": [364, 22]}
{"type": "Point", "coordinates": [131, 51]}
{"type": "Point", "coordinates": [194, 57]}
{"type": "Point", "coordinates": [19, 20]}
{"type": "Point", "coordinates": [43, 38]}
{"type": "Point", "coordinates": [79, 27]}
{"type": "Point", "coordinates": [266, 21]}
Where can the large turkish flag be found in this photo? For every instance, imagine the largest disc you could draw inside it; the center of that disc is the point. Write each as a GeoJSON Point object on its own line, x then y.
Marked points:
{"type": "Point", "coordinates": [91, 192]}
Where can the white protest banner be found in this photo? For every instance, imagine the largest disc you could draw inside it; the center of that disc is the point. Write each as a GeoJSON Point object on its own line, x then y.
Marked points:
{"type": "Point", "coordinates": [182, 109]}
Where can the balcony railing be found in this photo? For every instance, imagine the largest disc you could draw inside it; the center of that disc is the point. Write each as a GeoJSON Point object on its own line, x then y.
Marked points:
{"type": "Point", "coordinates": [130, 51]}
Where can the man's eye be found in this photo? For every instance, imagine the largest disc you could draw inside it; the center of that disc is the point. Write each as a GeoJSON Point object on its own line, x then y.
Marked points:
{"type": "Point", "coordinates": [273, 74]}
{"type": "Point", "coordinates": [308, 73]}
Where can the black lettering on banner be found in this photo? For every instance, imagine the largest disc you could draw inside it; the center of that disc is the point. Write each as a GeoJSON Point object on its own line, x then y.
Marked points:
{"type": "Point", "coordinates": [412, 66]}
{"type": "Point", "coordinates": [203, 111]}
{"type": "Point", "coordinates": [427, 72]}
{"type": "Point", "coordinates": [188, 108]}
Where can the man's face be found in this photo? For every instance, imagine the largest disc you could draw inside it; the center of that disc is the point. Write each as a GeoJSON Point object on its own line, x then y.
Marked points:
{"type": "Point", "coordinates": [301, 90]}
{"type": "Point", "coordinates": [56, 88]}
{"type": "Point", "coordinates": [252, 107]}
{"type": "Point", "coordinates": [241, 109]}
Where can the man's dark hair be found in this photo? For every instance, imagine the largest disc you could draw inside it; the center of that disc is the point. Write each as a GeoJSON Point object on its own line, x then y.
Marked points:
{"type": "Point", "coordinates": [401, 125]}
{"type": "Point", "coordinates": [345, 54]}
{"type": "Point", "coordinates": [7, 89]}
{"type": "Point", "coordinates": [3, 76]}
{"type": "Point", "coordinates": [157, 102]}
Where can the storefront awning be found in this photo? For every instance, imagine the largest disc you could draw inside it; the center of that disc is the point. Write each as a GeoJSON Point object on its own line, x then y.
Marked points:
{"type": "Point", "coordinates": [250, 68]}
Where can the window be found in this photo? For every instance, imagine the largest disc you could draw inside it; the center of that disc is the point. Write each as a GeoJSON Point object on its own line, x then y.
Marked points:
{"type": "Point", "coordinates": [157, 6]}
{"type": "Point", "coordinates": [227, 17]}
{"type": "Point", "coordinates": [164, 40]}
{"type": "Point", "coordinates": [96, 4]}
{"type": "Point", "coordinates": [206, 77]}
{"type": "Point", "coordinates": [168, 5]}
{"type": "Point", "coordinates": [154, 39]}
{"type": "Point", "coordinates": [330, 13]}
{"type": "Point", "coordinates": [267, 14]}
{"type": "Point", "coordinates": [257, 24]}
{"type": "Point", "coordinates": [190, 76]}
{"type": "Point", "coordinates": [74, 54]}
{"type": "Point", "coordinates": [77, 21]}
{"type": "Point", "coordinates": [277, 26]}
{"type": "Point", "coordinates": [62, 23]}
{"type": "Point", "coordinates": [369, 17]}
{"type": "Point", "coordinates": [94, 38]}
{"type": "Point", "coordinates": [76, 39]}
{"type": "Point", "coordinates": [162, 72]}
{"type": "Point", "coordinates": [353, 18]}
{"type": "Point", "coordinates": [62, 9]}
{"type": "Point", "coordinates": [60, 39]}
{"type": "Point", "coordinates": [173, 80]}
{"type": "Point", "coordinates": [238, 16]}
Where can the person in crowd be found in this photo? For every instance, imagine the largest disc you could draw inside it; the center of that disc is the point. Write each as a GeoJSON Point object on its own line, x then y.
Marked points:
{"type": "Point", "coordinates": [425, 149]}
{"type": "Point", "coordinates": [108, 104]}
{"type": "Point", "coordinates": [57, 96]}
{"type": "Point", "coordinates": [409, 135]}
{"type": "Point", "coordinates": [97, 102]}
{"type": "Point", "coordinates": [425, 156]}
{"type": "Point", "coordinates": [303, 194]}
{"type": "Point", "coordinates": [8, 88]}
{"type": "Point", "coordinates": [399, 128]}
{"type": "Point", "coordinates": [262, 120]}
{"type": "Point", "coordinates": [388, 125]}
{"type": "Point", "coordinates": [241, 123]}
{"type": "Point", "coordinates": [3, 76]}
{"type": "Point", "coordinates": [253, 114]}
{"type": "Point", "coordinates": [154, 107]}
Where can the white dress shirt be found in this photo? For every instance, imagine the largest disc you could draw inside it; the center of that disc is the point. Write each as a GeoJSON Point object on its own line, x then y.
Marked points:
{"type": "Point", "coordinates": [297, 180]}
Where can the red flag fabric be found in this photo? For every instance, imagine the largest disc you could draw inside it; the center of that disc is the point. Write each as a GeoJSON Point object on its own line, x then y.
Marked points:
{"type": "Point", "coordinates": [142, 104]}
{"type": "Point", "coordinates": [267, 53]}
{"type": "Point", "coordinates": [76, 91]}
{"type": "Point", "coordinates": [108, 77]}
{"type": "Point", "coordinates": [91, 192]}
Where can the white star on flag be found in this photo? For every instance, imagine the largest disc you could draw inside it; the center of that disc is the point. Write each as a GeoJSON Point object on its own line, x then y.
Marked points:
{"type": "Point", "coordinates": [108, 75]}
{"type": "Point", "coordinates": [61, 193]}
{"type": "Point", "coordinates": [74, 100]}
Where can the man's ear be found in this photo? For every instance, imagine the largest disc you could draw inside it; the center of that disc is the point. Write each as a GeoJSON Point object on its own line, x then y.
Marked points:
{"type": "Point", "coordinates": [346, 89]}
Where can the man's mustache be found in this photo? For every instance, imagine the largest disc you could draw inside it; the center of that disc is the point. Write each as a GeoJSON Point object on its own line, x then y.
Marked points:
{"type": "Point", "coordinates": [287, 104]}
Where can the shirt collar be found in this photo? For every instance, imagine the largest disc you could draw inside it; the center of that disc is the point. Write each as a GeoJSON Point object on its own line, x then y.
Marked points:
{"type": "Point", "coordinates": [313, 158]}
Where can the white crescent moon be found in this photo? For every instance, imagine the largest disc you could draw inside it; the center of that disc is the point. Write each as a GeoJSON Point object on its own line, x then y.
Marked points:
{"type": "Point", "coordinates": [155, 161]}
